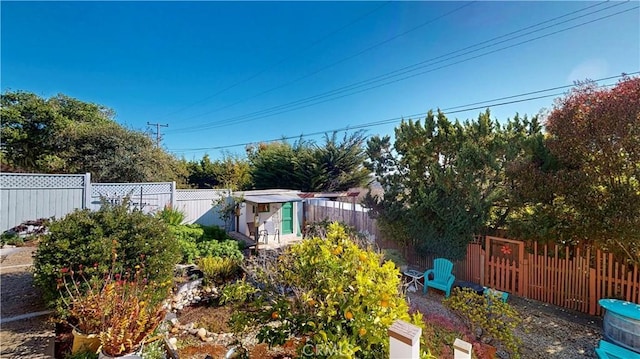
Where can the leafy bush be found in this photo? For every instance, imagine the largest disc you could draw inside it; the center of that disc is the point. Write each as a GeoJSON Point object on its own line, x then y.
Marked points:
{"type": "Point", "coordinates": [218, 269]}
{"type": "Point", "coordinates": [12, 239]}
{"type": "Point", "coordinates": [214, 232]}
{"type": "Point", "coordinates": [189, 251]}
{"type": "Point", "coordinates": [238, 292]}
{"type": "Point", "coordinates": [171, 216]}
{"type": "Point", "coordinates": [88, 239]}
{"type": "Point", "coordinates": [334, 293]}
{"type": "Point", "coordinates": [227, 249]}
{"type": "Point", "coordinates": [190, 232]}
{"type": "Point", "coordinates": [488, 315]}
{"type": "Point", "coordinates": [197, 241]}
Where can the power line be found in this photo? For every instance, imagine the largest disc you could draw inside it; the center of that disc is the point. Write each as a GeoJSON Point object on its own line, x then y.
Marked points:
{"type": "Point", "coordinates": [448, 111]}
{"type": "Point", "coordinates": [251, 77]}
{"type": "Point", "coordinates": [332, 95]}
{"type": "Point", "coordinates": [334, 63]}
{"type": "Point", "coordinates": [158, 136]}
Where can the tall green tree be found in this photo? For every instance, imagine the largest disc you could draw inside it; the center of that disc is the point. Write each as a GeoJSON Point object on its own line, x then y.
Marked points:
{"type": "Point", "coordinates": [445, 181]}
{"type": "Point", "coordinates": [335, 165]}
{"type": "Point", "coordinates": [63, 134]}
{"type": "Point", "coordinates": [230, 172]}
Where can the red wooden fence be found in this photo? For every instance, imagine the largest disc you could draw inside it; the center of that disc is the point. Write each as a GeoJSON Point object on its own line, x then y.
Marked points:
{"type": "Point", "coordinates": [568, 277]}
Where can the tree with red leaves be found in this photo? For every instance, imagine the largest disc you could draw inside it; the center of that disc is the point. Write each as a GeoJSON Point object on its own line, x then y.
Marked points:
{"type": "Point", "coordinates": [594, 134]}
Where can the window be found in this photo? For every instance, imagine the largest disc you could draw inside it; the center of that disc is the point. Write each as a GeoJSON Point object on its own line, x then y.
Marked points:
{"type": "Point", "coordinates": [263, 207]}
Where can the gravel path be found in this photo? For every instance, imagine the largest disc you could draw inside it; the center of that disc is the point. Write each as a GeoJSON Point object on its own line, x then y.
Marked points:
{"type": "Point", "coordinates": [548, 332]}
{"type": "Point", "coordinates": [25, 338]}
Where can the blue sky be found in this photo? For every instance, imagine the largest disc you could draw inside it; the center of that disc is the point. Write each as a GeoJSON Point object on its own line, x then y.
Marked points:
{"type": "Point", "coordinates": [215, 71]}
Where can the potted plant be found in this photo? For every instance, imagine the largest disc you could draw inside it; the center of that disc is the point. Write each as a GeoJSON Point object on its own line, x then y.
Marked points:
{"type": "Point", "coordinates": [118, 311]}
{"type": "Point", "coordinates": [84, 309]}
{"type": "Point", "coordinates": [136, 311]}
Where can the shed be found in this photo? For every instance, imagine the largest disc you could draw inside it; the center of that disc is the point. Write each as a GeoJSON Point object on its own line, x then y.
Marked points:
{"type": "Point", "coordinates": [275, 213]}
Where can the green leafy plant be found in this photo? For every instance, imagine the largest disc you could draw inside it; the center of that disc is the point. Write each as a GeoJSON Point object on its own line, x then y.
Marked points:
{"type": "Point", "coordinates": [154, 350]}
{"type": "Point", "coordinates": [171, 216]}
{"type": "Point", "coordinates": [227, 249]}
{"type": "Point", "coordinates": [12, 239]}
{"type": "Point", "coordinates": [488, 315]}
{"type": "Point", "coordinates": [218, 269]}
{"type": "Point", "coordinates": [238, 292]}
{"type": "Point", "coordinates": [88, 238]}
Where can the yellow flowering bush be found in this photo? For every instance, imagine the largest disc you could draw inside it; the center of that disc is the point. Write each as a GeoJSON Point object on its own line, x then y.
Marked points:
{"type": "Point", "coordinates": [495, 319]}
{"type": "Point", "coordinates": [340, 297]}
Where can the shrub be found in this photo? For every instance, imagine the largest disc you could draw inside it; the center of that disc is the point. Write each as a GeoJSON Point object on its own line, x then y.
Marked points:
{"type": "Point", "coordinates": [214, 232]}
{"type": "Point", "coordinates": [197, 241]}
{"type": "Point", "coordinates": [12, 239]}
{"type": "Point", "coordinates": [88, 238]}
{"type": "Point", "coordinates": [171, 216]}
{"type": "Point", "coordinates": [238, 292]}
{"type": "Point", "coordinates": [218, 269]}
{"type": "Point", "coordinates": [335, 294]}
{"type": "Point", "coordinates": [488, 315]}
{"type": "Point", "coordinates": [227, 249]}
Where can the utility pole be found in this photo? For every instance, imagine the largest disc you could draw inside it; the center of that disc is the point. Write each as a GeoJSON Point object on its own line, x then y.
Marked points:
{"type": "Point", "coordinates": [157, 131]}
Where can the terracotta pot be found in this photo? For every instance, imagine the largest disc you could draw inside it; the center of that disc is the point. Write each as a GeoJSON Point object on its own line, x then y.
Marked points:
{"type": "Point", "coordinates": [85, 342]}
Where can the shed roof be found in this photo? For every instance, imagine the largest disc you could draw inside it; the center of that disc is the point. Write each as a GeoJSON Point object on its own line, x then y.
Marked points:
{"type": "Point", "coordinates": [272, 198]}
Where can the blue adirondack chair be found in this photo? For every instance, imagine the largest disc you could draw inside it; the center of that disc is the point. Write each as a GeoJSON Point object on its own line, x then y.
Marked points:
{"type": "Point", "coordinates": [442, 277]}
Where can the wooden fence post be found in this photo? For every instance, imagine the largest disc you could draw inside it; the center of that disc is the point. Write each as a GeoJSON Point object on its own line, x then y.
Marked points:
{"type": "Point", "coordinates": [592, 292]}
{"type": "Point", "coordinates": [524, 278]}
{"type": "Point", "coordinates": [482, 260]}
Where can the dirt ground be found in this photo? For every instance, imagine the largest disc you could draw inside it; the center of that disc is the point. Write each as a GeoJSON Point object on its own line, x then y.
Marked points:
{"type": "Point", "coordinates": [24, 338]}
{"type": "Point", "coordinates": [548, 332]}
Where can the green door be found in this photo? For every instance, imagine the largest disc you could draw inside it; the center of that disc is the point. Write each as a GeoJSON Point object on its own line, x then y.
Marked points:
{"type": "Point", "coordinates": [287, 218]}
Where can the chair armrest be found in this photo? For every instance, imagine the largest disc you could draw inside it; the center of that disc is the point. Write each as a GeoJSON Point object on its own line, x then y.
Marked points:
{"type": "Point", "coordinates": [452, 278]}
{"type": "Point", "coordinates": [426, 274]}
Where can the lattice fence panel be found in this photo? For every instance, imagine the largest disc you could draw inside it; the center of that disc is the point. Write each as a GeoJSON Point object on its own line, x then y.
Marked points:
{"type": "Point", "coordinates": [200, 194]}
{"type": "Point", "coordinates": [130, 189]}
{"type": "Point", "coordinates": [32, 181]}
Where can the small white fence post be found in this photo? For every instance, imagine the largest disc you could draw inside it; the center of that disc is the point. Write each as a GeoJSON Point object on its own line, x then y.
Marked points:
{"type": "Point", "coordinates": [461, 349]}
{"type": "Point", "coordinates": [404, 340]}
{"type": "Point", "coordinates": [86, 200]}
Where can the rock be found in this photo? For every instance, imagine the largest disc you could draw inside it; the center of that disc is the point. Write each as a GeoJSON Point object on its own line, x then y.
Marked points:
{"type": "Point", "coordinates": [486, 340]}
{"type": "Point", "coordinates": [208, 339]}
{"type": "Point", "coordinates": [189, 326]}
{"type": "Point", "coordinates": [502, 354]}
{"type": "Point", "coordinates": [478, 332]}
{"type": "Point", "coordinates": [207, 290]}
{"type": "Point", "coordinates": [193, 331]}
{"type": "Point", "coordinates": [172, 342]}
{"type": "Point", "coordinates": [174, 321]}
{"type": "Point", "coordinates": [170, 317]}
{"type": "Point", "coordinates": [202, 333]}
{"type": "Point", "coordinates": [174, 330]}
{"type": "Point", "coordinates": [179, 307]}
{"type": "Point", "coordinates": [197, 298]}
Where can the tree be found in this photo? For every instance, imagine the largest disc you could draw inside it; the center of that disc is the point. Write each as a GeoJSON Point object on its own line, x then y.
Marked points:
{"type": "Point", "coordinates": [231, 172]}
{"type": "Point", "coordinates": [594, 133]}
{"type": "Point", "coordinates": [63, 134]}
{"type": "Point", "coordinates": [445, 181]}
{"type": "Point", "coordinates": [306, 166]}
